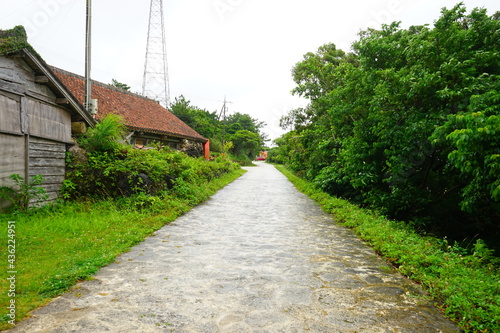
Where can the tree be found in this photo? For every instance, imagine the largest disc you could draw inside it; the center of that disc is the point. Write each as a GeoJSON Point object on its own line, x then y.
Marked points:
{"type": "Point", "coordinates": [202, 121]}
{"type": "Point", "coordinates": [242, 129]}
{"type": "Point", "coordinates": [408, 123]}
{"type": "Point", "coordinates": [238, 121]}
{"type": "Point", "coordinates": [245, 143]}
{"type": "Point", "coordinates": [120, 85]}
{"type": "Point", "coordinates": [474, 139]}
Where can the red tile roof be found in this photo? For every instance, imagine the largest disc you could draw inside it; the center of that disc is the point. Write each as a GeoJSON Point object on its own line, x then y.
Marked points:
{"type": "Point", "coordinates": [140, 113]}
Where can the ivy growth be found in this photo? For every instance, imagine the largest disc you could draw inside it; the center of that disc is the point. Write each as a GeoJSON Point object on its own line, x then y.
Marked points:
{"type": "Point", "coordinates": [13, 40]}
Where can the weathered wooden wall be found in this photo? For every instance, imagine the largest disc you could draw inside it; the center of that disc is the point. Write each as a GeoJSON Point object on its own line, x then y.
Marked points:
{"type": "Point", "coordinates": [13, 157]}
{"type": "Point", "coordinates": [49, 122]}
{"type": "Point", "coordinates": [47, 158]}
{"type": "Point", "coordinates": [16, 76]}
{"type": "Point", "coordinates": [10, 122]}
{"type": "Point", "coordinates": [12, 140]}
{"type": "Point", "coordinates": [34, 130]}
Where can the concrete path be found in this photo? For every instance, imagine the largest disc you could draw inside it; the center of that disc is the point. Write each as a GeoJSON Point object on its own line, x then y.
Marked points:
{"type": "Point", "coordinates": [257, 257]}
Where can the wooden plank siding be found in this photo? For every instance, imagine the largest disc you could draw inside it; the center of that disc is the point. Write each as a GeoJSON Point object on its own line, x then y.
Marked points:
{"type": "Point", "coordinates": [12, 141]}
{"type": "Point", "coordinates": [36, 115]}
{"type": "Point", "coordinates": [49, 122]}
{"type": "Point", "coordinates": [47, 158]}
{"type": "Point", "coordinates": [12, 158]}
{"type": "Point", "coordinates": [10, 121]}
{"type": "Point", "coordinates": [34, 130]}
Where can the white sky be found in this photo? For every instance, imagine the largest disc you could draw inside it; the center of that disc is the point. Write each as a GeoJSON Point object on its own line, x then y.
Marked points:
{"type": "Point", "coordinates": [241, 49]}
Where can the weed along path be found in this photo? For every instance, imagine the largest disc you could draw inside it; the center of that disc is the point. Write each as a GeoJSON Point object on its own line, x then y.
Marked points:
{"type": "Point", "coordinates": [257, 257]}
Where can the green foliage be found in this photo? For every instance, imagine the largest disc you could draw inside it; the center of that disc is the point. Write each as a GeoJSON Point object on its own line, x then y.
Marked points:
{"type": "Point", "coordinates": [120, 85]}
{"type": "Point", "coordinates": [216, 146]}
{"type": "Point", "coordinates": [111, 169]}
{"type": "Point", "coordinates": [463, 281]}
{"type": "Point", "coordinates": [245, 143]}
{"type": "Point", "coordinates": [286, 150]}
{"type": "Point", "coordinates": [243, 130]}
{"type": "Point", "coordinates": [24, 193]}
{"type": "Point", "coordinates": [13, 40]}
{"type": "Point", "coordinates": [137, 171]}
{"type": "Point", "coordinates": [474, 138]}
{"type": "Point", "coordinates": [239, 121]}
{"type": "Point", "coordinates": [105, 136]}
{"type": "Point", "coordinates": [407, 124]}
{"type": "Point", "coordinates": [202, 121]}
{"type": "Point", "coordinates": [228, 145]}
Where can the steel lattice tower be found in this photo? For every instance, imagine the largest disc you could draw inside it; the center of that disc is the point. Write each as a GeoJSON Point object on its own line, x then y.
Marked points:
{"type": "Point", "coordinates": [155, 82]}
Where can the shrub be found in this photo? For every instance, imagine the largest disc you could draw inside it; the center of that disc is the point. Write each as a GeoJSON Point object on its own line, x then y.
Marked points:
{"type": "Point", "coordinates": [105, 136]}
{"type": "Point", "coordinates": [29, 192]}
{"type": "Point", "coordinates": [134, 171]}
{"type": "Point", "coordinates": [107, 168]}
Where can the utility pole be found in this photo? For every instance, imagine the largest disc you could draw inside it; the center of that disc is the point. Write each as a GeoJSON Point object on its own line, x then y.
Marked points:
{"type": "Point", "coordinates": [223, 112]}
{"type": "Point", "coordinates": [155, 83]}
{"type": "Point", "coordinates": [88, 55]}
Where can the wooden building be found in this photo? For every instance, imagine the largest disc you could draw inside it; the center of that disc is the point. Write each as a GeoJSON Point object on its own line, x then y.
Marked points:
{"type": "Point", "coordinates": [41, 109]}
{"type": "Point", "coordinates": [37, 114]}
{"type": "Point", "coordinates": [146, 119]}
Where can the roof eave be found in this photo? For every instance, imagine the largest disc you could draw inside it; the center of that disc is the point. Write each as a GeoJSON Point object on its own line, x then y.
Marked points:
{"type": "Point", "coordinates": [175, 135]}
{"type": "Point", "coordinates": [54, 80]}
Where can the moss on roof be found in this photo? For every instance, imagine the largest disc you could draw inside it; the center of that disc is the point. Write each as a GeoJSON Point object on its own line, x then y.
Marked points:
{"type": "Point", "coordinates": [15, 40]}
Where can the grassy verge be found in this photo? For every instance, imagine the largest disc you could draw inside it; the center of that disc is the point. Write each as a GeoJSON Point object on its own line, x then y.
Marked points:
{"type": "Point", "coordinates": [465, 283]}
{"type": "Point", "coordinates": [61, 245]}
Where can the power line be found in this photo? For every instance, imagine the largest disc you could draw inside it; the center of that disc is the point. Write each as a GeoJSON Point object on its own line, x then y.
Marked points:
{"type": "Point", "coordinates": [222, 114]}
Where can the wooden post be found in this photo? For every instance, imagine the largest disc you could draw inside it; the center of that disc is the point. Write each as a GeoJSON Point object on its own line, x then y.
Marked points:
{"type": "Point", "coordinates": [78, 127]}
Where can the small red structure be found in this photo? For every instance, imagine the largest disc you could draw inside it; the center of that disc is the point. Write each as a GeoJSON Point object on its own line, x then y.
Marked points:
{"type": "Point", "coordinates": [262, 156]}
{"type": "Point", "coordinates": [206, 150]}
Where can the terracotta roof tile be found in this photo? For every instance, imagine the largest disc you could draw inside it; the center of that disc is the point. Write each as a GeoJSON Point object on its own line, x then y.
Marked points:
{"type": "Point", "coordinates": [139, 112]}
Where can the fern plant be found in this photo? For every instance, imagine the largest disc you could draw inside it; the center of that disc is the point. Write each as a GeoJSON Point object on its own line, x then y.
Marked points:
{"type": "Point", "coordinates": [106, 135]}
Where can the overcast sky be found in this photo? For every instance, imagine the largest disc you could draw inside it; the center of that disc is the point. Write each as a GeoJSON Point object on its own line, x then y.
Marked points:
{"type": "Point", "coordinates": [241, 49]}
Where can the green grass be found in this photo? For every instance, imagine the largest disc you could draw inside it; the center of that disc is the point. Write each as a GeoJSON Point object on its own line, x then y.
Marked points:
{"type": "Point", "coordinates": [61, 245]}
{"type": "Point", "coordinates": [465, 283]}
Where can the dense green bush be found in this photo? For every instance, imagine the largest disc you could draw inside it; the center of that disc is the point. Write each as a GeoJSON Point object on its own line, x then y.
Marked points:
{"type": "Point", "coordinates": [133, 171]}
{"type": "Point", "coordinates": [409, 123]}
{"type": "Point", "coordinates": [105, 136]}
{"type": "Point", "coordinates": [110, 169]}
